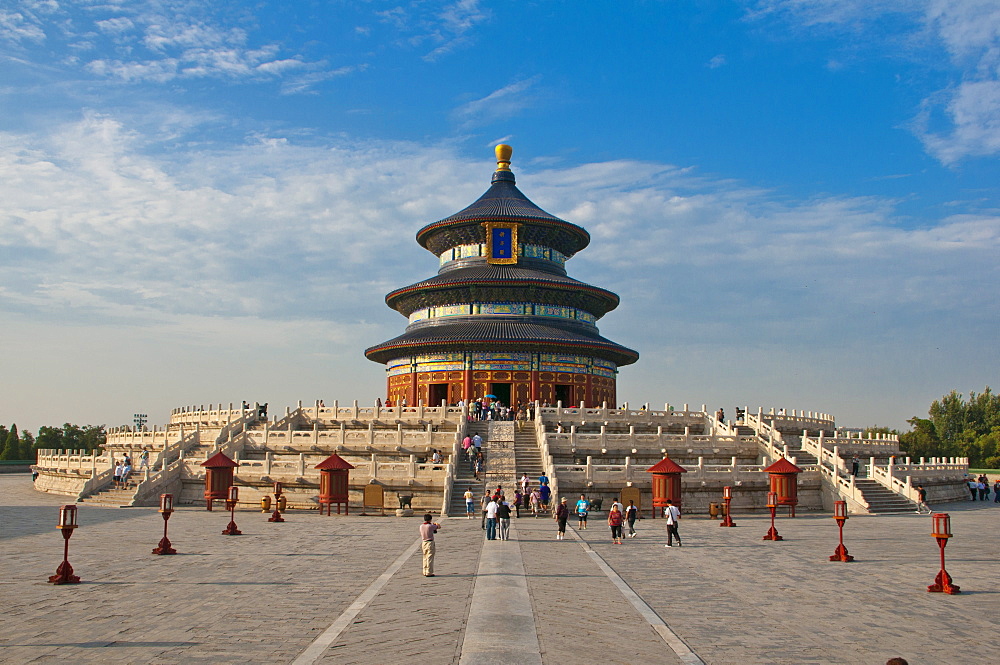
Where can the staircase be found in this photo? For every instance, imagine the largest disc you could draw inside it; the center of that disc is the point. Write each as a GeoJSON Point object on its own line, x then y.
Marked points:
{"type": "Point", "coordinates": [526, 453]}
{"type": "Point", "coordinates": [881, 499]}
{"type": "Point", "coordinates": [465, 479]}
{"type": "Point", "coordinates": [112, 497]}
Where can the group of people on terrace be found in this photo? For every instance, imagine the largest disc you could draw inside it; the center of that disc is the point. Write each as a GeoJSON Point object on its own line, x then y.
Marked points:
{"type": "Point", "coordinates": [490, 408]}
{"type": "Point", "coordinates": [123, 469]}
{"type": "Point", "coordinates": [980, 488]}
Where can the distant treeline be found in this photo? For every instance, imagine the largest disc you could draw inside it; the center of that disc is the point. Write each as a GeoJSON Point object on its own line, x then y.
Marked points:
{"type": "Point", "coordinates": [958, 427]}
{"type": "Point", "coordinates": [24, 445]}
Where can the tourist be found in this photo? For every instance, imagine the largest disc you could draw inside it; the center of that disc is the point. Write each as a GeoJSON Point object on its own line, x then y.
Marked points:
{"type": "Point", "coordinates": [118, 475]}
{"type": "Point", "coordinates": [477, 441]}
{"type": "Point", "coordinates": [144, 460]}
{"type": "Point", "coordinates": [524, 483]}
{"type": "Point", "coordinates": [984, 488]}
{"type": "Point", "coordinates": [436, 457]}
{"type": "Point", "coordinates": [560, 516]}
{"type": "Point", "coordinates": [543, 479]}
{"type": "Point", "coordinates": [615, 522]}
{"type": "Point", "coordinates": [973, 488]}
{"type": "Point", "coordinates": [482, 505]}
{"type": "Point", "coordinates": [491, 520]}
{"type": "Point", "coordinates": [996, 492]}
{"type": "Point", "coordinates": [503, 517]}
{"type": "Point", "coordinates": [922, 500]}
{"type": "Point", "coordinates": [673, 515]}
{"type": "Point", "coordinates": [468, 503]}
{"type": "Point", "coordinates": [518, 499]}
{"type": "Point", "coordinates": [631, 513]}
{"type": "Point", "coordinates": [126, 471]}
{"type": "Point", "coordinates": [466, 442]}
{"type": "Point", "coordinates": [855, 466]}
{"type": "Point", "coordinates": [545, 493]}
{"type": "Point", "coordinates": [582, 508]}
{"type": "Point", "coordinates": [427, 531]}
{"type": "Point", "coordinates": [536, 500]}
{"type": "Point", "coordinates": [616, 504]}
{"type": "Point", "coordinates": [480, 465]}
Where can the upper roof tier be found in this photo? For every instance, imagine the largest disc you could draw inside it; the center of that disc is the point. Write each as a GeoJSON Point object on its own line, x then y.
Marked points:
{"type": "Point", "coordinates": [503, 202]}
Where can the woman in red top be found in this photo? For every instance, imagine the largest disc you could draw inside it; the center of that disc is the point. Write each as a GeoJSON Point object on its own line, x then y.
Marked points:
{"type": "Point", "coordinates": [615, 519]}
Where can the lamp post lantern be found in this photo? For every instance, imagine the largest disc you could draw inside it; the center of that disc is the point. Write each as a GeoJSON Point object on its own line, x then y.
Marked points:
{"type": "Point", "coordinates": [166, 509]}
{"type": "Point", "coordinates": [772, 504]}
{"type": "Point", "coordinates": [67, 524]}
{"type": "Point", "coordinates": [942, 531]}
{"type": "Point", "coordinates": [840, 514]}
{"type": "Point", "coordinates": [276, 515]}
{"type": "Point", "coordinates": [727, 497]}
{"type": "Point", "coordinates": [231, 500]}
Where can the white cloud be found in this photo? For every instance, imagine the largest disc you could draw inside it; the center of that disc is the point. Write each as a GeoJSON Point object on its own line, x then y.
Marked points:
{"type": "Point", "coordinates": [968, 31]}
{"type": "Point", "coordinates": [716, 61]}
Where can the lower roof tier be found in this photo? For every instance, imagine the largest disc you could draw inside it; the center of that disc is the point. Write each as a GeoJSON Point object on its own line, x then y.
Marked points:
{"type": "Point", "coordinates": [500, 335]}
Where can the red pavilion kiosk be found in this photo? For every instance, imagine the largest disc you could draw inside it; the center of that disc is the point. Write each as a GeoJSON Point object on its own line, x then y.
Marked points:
{"type": "Point", "coordinates": [218, 477]}
{"type": "Point", "coordinates": [666, 483]}
{"type": "Point", "coordinates": [784, 483]}
{"type": "Point", "coordinates": [333, 476]}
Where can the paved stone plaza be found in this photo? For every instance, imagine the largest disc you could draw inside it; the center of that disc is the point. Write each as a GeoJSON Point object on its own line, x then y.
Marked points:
{"type": "Point", "coordinates": [349, 590]}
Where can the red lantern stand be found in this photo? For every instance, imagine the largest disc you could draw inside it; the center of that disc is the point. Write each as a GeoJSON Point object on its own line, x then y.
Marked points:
{"type": "Point", "coordinates": [666, 483]}
{"type": "Point", "coordinates": [942, 531]}
{"type": "Point", "coordinates": [727, 496]}
{"type": "Point", "coordinates": [333, 484]}
{"type": "Point", "coordinates": [784, 483]}
{"type": "Point", "coordinates": [67, 524]}
{"type": "Point", "coordinates": [840, 514]}
{"type": "Point", "coordinates": [166, 509]}
{"type": "Point", "coordinates": [279, 503]}
{"type": "Point", "coordinates": [231, 501]}
{"type": "Point", "coordinates": [772, 504]}
{"type": "Point", "coordinates": [218, 478]}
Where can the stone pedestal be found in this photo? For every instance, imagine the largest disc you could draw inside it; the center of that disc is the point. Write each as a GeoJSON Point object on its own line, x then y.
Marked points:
{"type": "Point", "coordinates": [404, 512]}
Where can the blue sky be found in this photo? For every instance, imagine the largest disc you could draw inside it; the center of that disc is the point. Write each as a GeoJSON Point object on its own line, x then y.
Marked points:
{"type": "Point", "coordinates": [797, 200]}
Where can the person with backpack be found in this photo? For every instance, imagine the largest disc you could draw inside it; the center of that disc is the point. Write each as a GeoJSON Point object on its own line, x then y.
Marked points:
{"type": "Point", "coordinates": [631, 514]}
{"type": "Point", "coordinates": [560, 515]}
{"type": "Point", "coordinates": [503, 517]}
{"type": "Point", "coordinates": [673, 515]}
{"type": "Point", "coordinates": [545, 493]}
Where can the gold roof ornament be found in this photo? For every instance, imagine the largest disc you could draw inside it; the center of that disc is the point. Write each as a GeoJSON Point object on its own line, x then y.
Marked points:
{"type": "Point", "coordinates": [503, 152]}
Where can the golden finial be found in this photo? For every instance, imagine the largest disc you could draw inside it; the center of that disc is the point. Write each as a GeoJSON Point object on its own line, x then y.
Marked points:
{"type": "Point", "coordinates": [503, 152]}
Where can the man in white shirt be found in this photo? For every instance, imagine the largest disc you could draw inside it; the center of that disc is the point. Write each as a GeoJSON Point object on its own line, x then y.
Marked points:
{"type": "Point", "coordinates": [491, 520]}
{"type": "Point", "coordinates": [673, 515]}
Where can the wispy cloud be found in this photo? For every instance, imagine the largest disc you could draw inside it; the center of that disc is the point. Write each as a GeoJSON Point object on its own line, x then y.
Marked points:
{"type": "Point", "coordinates": [716, 62]}
{"type": "Point", "coordinates": [445, 26]}
{"type": "Point", "coordinates": [957, 122]}
{"type": "Point", "coordinates": [501, 103]}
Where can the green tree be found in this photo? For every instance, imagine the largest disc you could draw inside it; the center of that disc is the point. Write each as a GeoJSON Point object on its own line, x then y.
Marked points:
{"type": "Point", "coordinates": [922, 440]}
{"type": "Point", "coordinates": [27, 446]}
{"type": "Point", "coordinates": [12, 447]}
{"type": "Point", "coordinates": [49, 438]}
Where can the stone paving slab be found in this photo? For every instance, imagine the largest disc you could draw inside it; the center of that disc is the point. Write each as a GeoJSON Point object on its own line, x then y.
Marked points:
{"type": "Point", "coordinates": [265, 596]}
{"type": "Point", "coordinates": [734, 597]}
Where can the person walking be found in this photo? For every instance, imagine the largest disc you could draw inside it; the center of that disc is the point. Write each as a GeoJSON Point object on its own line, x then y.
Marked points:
{"type": "Point", "coordinates": [118, 475]}
{"type": "Point", "coordinates": [855, 466]}
{"type": "Point", "coordinates": [503, 516]}
{"type": "Point", "coordinates": [673, 515]}
{"type": "Point", "coordinates": [545, 493]}
{"type": "Point", "coordinates": [631, 514]}
{"type": "Point", "coordinates": [582, 508]}
{"type": "Point", "coordinates": [491, 520]}
{"type": "Point", "coordinates": [536, 500]}
{"type": "Point", "coordinates": [144, 460]}
{"type": "Point", "coordinates": [560, 515]}
{"type": "Point", "coordinates": [469, 505]}
{"type": "Point", "coordinates": [996, 492]}
{"type": "Point", "coordinates": [427, 531]}
{"type": "Point", "coordinates": [477, 441]}
{"type": "Point", "coordinates": [615, 520]}
{"type": "Point", "coordinates": [518, 499]}
{"type": "Point", "coordinates": [922, 500]}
